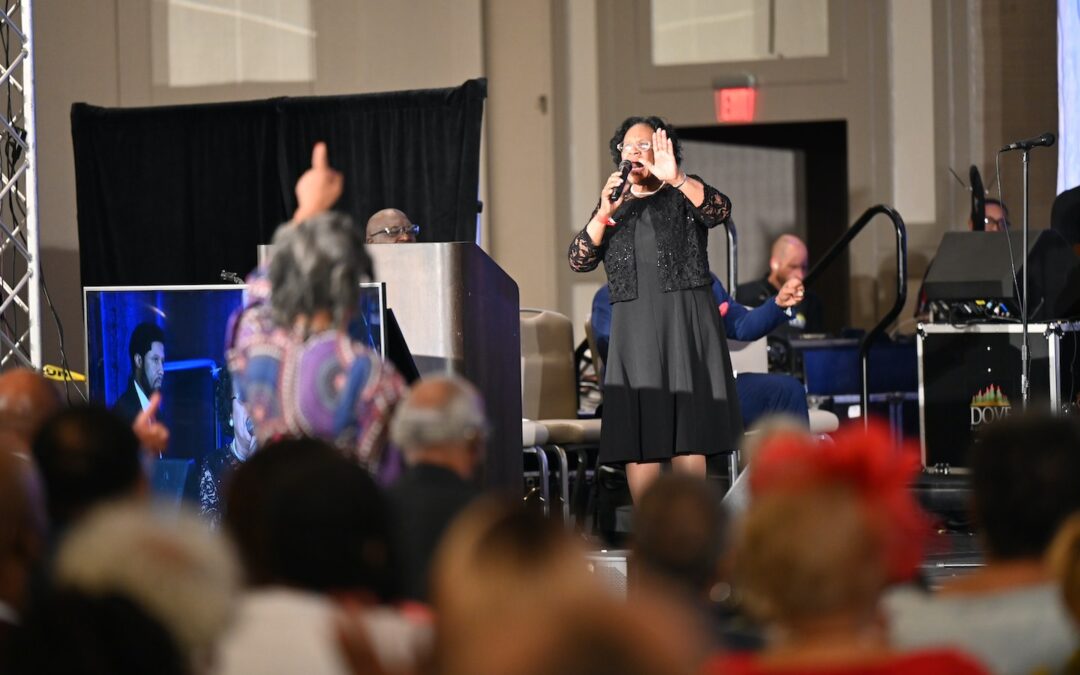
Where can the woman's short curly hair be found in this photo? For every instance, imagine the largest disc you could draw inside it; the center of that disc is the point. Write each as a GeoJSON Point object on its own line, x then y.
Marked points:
{"type": "Point", "coordinates": [318, 264]}
{"type": "Point", "coordinates": [656, 123]}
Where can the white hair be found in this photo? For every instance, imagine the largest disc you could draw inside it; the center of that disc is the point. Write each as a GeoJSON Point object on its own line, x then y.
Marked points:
{"type": "Point", "coordinates": [458, 418]}
{"type": "Point", "coordinates": [171, 565]}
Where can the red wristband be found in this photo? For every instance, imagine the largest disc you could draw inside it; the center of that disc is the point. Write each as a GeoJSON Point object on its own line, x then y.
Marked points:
{"type": "Point", "coordinates": [605, 221]}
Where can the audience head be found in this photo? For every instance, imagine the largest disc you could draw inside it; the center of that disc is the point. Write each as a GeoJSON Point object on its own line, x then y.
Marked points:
{"type": "Point", "coordinates": [491, 549]}
{"type": "Point", "coordinates": [499, 569]}
{"type": "Point", "coordinates": [506, 570]}
{"type": "Point", "coordinates": [497, 556]}
{"type": "Point", "coordinates": [168, 564]}
{"type": "Point", "coordinates": [391, 226]}
{"type": "Point", "coordinates": [317, 266]}
{"type": "Point", "coordinates": [146, 349]}
{"type": "Point", "coordinates": [787, 260]}
{"type": "Point", "coordinates": [597, 636]}
{"type": "Point", "coordinates": [441, 421]}
{"type": "Point", "coordinates": [1025, 481]}
{"type": "Point", "coordinates": [86, 456]}
{"type": "Point", "coordinates": [829, 526]}
{"type": "Point", "coordinates": [24, 528]}
{"type": "Point", "coordinates": [306, 517]}
{"type": "Point", "coordinates": [680, 532]}
{"type": "Point", "coordinates": [27, 399]}
{"type": "Point", "coordinates": [1064, 561]}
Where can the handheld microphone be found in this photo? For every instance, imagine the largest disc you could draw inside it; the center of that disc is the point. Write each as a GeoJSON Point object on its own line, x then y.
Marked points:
{"type": "Point", "coordinates": [1045, 140]}
{"type": "Point", "coordinates": [624, 170]}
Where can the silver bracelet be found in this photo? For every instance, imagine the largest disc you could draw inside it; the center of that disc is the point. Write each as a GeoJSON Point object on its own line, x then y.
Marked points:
{"type": "Point", "coordinates": [682, 183]}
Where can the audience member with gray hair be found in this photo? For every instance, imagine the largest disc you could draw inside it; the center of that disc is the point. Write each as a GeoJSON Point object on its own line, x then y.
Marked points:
{"type": "Point", "coordinates": [295, 367]}
{"type": "Point", "coordinates": [441, 428]}
{"type": "Point", "coordinates": [317, 267]}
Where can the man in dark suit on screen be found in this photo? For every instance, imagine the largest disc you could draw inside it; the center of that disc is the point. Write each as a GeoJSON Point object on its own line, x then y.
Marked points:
{"type": "Point", "coordinates": [146, 354]}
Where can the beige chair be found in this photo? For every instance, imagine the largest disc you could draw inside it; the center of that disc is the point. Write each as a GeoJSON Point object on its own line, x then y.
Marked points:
{"type": "Point", "coordinates": [549, 389]}
{"type": "Point", "coordinates": [749, 357]}
{"type": "Point", "coordinates": [533, 438]}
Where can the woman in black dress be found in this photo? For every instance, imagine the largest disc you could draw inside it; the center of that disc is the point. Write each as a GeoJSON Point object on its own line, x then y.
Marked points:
{"type": "Point", "coordinates": [669, 390]}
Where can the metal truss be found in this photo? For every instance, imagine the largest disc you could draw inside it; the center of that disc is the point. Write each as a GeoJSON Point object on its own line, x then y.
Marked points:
{"type": "Point", "coordinates": [20, 287]}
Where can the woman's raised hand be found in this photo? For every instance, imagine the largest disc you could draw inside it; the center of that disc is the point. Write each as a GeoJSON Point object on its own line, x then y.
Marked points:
{"type": "Point", "coordinates": [320, 186]}
{"type": "Point", "coordinates": [663, 165]}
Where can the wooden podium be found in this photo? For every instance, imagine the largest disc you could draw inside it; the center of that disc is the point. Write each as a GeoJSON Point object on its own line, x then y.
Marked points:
{"type": "Point", "coordinates": [458, 312]}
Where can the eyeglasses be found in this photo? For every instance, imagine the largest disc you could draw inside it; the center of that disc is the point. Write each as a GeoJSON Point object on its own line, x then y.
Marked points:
{"type": "Point", "coordinates": [643, 146]}
{"type": "Point", "coordinates": [999, 224]}
{"type": "Point", "coordinates": [394, 232]}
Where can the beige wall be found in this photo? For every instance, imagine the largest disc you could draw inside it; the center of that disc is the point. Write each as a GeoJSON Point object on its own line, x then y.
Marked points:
{"type": "Point", "coordinates": [562, 73]}
{"type": "Point", "coordinates": [1020, 83]}
{"type": "Point", "coordinates": [520, 146]}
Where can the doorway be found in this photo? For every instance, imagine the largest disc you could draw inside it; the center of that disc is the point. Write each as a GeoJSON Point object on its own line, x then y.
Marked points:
{"type": "Point", "coordinates": [789, 177]}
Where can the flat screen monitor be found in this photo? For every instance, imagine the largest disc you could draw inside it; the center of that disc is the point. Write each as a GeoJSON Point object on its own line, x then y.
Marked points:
{"type": "Point", "coordinates": [192, 320]}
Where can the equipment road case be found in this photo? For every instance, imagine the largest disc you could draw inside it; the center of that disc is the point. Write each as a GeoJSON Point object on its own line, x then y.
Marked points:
{"type": "Point", "coordinates": [969, 375]}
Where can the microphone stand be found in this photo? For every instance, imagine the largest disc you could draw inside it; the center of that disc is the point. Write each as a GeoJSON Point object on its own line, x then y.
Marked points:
{"type": "Point", "coordinates": [1025, 391]}
{"type": "Point", "coordinates": [1045, 140]}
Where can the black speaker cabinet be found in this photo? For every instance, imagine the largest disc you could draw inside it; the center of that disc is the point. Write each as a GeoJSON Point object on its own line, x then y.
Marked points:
{"type": "Point", "coordinates": [970, 376]}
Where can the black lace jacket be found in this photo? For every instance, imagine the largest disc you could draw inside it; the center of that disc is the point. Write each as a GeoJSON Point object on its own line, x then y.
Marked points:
{"type": "Point", "coordinates": [681, 242]}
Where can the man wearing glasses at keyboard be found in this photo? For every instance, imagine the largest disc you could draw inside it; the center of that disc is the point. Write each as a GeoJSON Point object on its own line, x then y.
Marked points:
{"type": "Point", "coordinates": [391, 226]}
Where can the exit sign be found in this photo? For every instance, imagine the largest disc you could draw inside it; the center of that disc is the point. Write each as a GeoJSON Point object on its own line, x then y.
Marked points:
{"type": "Point", "coordinates": [735, 104]}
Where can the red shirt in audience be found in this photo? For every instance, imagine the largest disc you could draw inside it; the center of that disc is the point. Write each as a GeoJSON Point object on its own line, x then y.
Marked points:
{"type": "Point", "coordinates": [930, 662]}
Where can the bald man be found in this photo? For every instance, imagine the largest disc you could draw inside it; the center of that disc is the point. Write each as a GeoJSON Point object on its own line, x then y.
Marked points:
{"type": "Point", "coordinates": [391, 226]}
{"type": "Point", "coordinates": [441, 429]}
{"type": "Point", "coordinates": [787, 260]}
{"type": "Point", "coordinates": [23, 538]}
{"type": "Point", "coordinates": [27, 399]}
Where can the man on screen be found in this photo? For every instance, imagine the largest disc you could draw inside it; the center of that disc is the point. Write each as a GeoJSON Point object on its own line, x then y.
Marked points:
{"type": "Point", "coordinates": [146, 351]}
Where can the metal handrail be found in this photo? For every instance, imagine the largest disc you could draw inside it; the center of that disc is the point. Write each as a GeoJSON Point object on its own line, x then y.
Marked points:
{"type": "Point", "coordinates": [732, 254]}
{"type": "Point", "coordinates": [901, 285]}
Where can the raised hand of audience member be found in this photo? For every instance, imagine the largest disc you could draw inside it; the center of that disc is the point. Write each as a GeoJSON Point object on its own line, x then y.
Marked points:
{"type": "Point", "coordinates": [319, 187]}
{"type": "Point", "coordinates": [152, 434]}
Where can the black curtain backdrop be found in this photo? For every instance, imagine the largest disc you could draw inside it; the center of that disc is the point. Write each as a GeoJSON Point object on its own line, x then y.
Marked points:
{"type": "Point", "coordinates": [175, 195]}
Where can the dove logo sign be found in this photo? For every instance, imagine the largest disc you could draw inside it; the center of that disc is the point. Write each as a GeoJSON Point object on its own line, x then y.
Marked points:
{"type": "Point", "coordinates": [988, 405]}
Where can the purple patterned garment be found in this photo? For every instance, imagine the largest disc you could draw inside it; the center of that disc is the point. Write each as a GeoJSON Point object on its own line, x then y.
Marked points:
{"type": "Point", "coordinates": [323, 385]}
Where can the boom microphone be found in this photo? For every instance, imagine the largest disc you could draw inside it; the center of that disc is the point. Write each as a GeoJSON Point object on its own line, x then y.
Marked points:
{"type": "Point", "coordinates": [624, 170]}
{"type": "Point", "coordinates": [1046, 140]}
